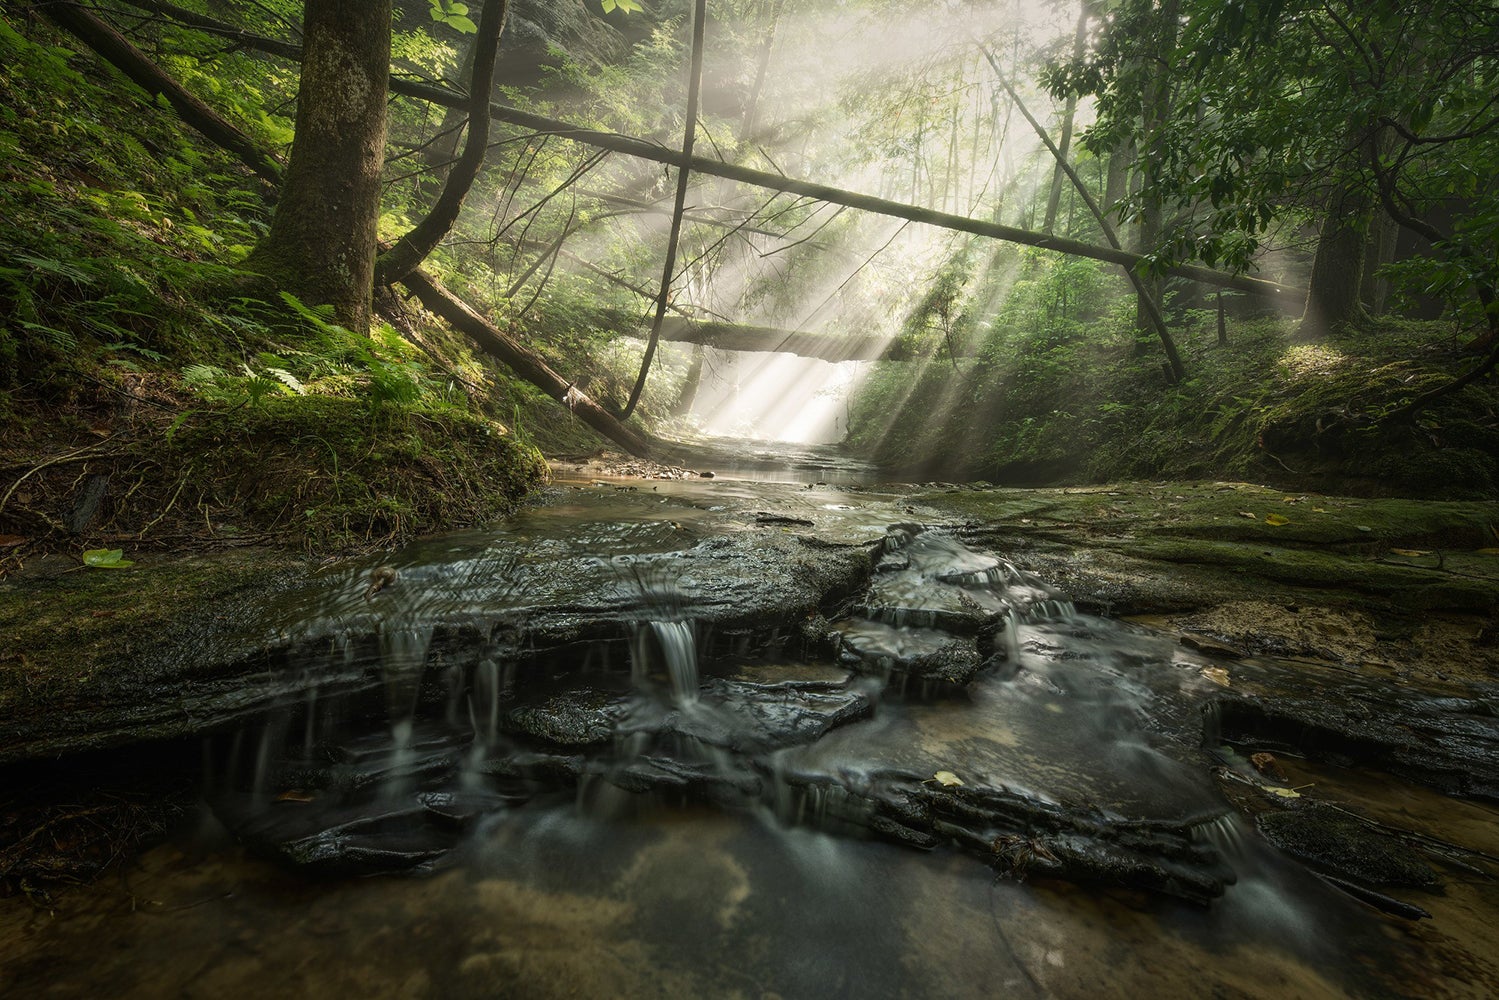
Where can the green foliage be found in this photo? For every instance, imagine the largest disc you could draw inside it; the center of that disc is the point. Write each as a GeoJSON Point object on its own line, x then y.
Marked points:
{"type": "Point", "coordinates": [106, 559]}
{"type": "Point", "coordinates": [1057, 393]}
{"type": "Point", "coordinates": [1285, 107]}
{"type": "Point", "coordinates": [623, 6]}
{"type": "Point", "coordinates": [104, 247]}
{"type": "Point", "coordinates": [454, 15]}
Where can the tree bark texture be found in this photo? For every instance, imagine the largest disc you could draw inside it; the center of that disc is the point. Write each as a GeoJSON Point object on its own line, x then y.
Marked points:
{"type": "Point", "coordinates": [1333, 297]}
{"type": "Point", "coordinates": [321, 244]}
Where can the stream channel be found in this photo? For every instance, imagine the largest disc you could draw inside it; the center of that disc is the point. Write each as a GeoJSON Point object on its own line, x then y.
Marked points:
{"type": "Point", "coordinates": [750, 738]}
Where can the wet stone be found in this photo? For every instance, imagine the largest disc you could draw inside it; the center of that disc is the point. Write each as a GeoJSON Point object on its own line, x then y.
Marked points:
{"type": "Point", "coordinates": [925, 653]}
{"type": "Point", "coordinates": [578, 717]}
{"type": "Point", "coordinates": [756, 718]}
{"type": "Point", "coordinates": [1333, 841]}
{"type": "Point", "coordinates": [1448, 744]}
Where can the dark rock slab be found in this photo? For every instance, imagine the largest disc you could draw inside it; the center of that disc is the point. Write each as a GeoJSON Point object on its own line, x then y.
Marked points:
{"type": "Point", "coordinates": [1020, 835]}
{"type": "Point", "coordinates": [1450, 744]}
{"type": "Point", "coordinates": [1332, 841]}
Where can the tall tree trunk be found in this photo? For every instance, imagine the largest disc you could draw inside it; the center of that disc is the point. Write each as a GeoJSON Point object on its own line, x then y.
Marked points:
{"type": "Point", "coordinates": [1069, 112]}
{"type": "Point", "coordinates": [1116, 182]}
{"type": "Point", "coordinates": [410, 250]}
{"type": "Point", "coordinates": [1332, 298]}
{"type": "Point", "coordinates": [1155, 108]}
{"type": "Point", "coordinates": [694, 94]}
{"type": "Point", "coordinates": [321, 244]}
{"type": "Point", "coordinates": [692, 383]}
{"type": "Point", "coordinates": [1379, 250]}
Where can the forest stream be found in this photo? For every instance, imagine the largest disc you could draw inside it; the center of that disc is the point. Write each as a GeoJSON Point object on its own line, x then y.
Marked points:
{"type": "Point", "coordinates": [934, 777]}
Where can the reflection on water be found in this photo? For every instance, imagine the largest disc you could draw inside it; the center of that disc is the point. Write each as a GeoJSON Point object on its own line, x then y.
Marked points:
{"type": "Point", "coordinates": [549, 903]}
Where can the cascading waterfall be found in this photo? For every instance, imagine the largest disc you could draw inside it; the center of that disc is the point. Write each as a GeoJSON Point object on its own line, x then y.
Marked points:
{"type": "Point", "coordinates": [676, 643]}
{"type": "Point", "coordinates": [403, 659]}
{"type": "Point", "coordinates": [672, 735]}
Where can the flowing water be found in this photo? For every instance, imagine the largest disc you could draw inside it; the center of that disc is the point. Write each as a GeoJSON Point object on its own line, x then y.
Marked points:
{"type": "Point", "coordinates": [691, 809]}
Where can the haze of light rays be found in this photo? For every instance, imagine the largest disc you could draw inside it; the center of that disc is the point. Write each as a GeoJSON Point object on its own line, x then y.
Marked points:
{"type": "Point", "coordinates": [777, 397]}
{"type": "Point", "coordinates": [898, 104]}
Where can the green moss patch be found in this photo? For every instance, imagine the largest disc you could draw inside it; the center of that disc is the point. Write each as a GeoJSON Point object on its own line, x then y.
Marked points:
{"type": "Point", "coordinates": [1197, 544]}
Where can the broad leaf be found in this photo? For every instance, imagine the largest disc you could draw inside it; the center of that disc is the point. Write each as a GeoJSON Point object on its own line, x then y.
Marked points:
{"type": "Point", "coordinates": [106, 559]}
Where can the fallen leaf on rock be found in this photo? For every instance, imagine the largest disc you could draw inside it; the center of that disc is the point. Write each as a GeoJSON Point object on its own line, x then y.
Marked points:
{"type": "Point", "coordinates": [1245, 513]}
{"type": "Point", "coordinates": [1285, 793]}
{"type": "Point", "coordinates": [294, 795]}
{"type": "Point", "coordinates": [1488, 552]}
{"type": "Point", "coordinates": [947, 779]}
{"type": "Point", "coordinates": [1216, 674]}
{"type": "Point", "coordinates": [1412, 553]}
{"type": "Point", "coordinates": [1276, 519]}
{"type": "Point", "coordinates": [6, 541]}
{"type": "Point", "coordinates": [1319, 510]}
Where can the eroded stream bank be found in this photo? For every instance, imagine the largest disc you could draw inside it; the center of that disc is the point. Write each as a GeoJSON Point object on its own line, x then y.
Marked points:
{"type": "Point", "coordinates": [680, 736]}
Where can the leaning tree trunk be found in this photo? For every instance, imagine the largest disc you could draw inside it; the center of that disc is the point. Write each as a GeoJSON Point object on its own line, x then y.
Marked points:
{"type": "Point", "coordinates": [1333, 295]}
{"type": "Point", "coordinates": [321, 244]}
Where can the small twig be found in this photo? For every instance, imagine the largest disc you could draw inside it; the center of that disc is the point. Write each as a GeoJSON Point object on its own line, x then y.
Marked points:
{"type": "Point", "coordinates": [1282, 464]}
{"type": "Point", "coordinates": [168, 508]}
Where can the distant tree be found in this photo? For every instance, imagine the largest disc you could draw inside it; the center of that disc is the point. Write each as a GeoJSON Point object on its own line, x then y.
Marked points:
{"type": "Point", "coordinates": [1350, 115]}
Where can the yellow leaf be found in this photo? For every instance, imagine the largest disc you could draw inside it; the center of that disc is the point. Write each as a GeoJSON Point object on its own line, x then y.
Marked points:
{"type": "Point", "coordinates": [1276, 519]}
{"type": "Point", "coordinates": [1411, 552]}
{"type": "Point", "coordinates": [1319, 510]}
{"type": "Point", "coordinates": [1488, 552]}
{"type": "Point", "coordinates": [1245, 513]}
{"type": "Point", "coordinates": [1285, 793]}
{"type": "Point", "coordinates": [947, 779]}
{"type": "Point", "coordinates": [1216, 674]}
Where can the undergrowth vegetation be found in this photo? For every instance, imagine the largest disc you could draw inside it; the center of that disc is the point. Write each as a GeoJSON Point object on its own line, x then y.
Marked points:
{"type": "Point", "coordinates": [151, 398]}
{"type": "Point", "coordinates": [1061, 390]}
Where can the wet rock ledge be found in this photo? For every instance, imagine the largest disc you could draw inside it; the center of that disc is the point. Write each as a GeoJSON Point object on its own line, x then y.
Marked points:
{"type": "Point", "coordinates": [174, 647]}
